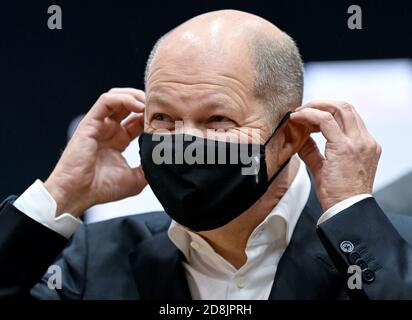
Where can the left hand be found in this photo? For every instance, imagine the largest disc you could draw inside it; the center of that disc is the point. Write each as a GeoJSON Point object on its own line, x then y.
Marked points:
{"type": "Point", "coordinates": [351, 153]}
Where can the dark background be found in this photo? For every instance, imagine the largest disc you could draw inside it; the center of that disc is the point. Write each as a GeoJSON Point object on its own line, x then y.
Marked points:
{"type": "Point", "coordinates": [47, 77]}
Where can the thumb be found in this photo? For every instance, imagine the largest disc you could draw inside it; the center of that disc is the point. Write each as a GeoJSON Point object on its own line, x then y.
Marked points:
{"type": "Point", "coordinates": [311, 155]}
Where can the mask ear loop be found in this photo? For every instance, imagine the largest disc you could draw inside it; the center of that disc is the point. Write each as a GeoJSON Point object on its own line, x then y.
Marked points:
{"type": "Point", "coordinates": [281, 123]}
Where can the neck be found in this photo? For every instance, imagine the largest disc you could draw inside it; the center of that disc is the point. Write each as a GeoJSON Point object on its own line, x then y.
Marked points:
{"type": "Point", "coordinates": [230, 240]}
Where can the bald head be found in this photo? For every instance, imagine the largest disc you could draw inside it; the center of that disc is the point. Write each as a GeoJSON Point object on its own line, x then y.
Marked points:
{"type": "Point", "coordinates": [266, 59]}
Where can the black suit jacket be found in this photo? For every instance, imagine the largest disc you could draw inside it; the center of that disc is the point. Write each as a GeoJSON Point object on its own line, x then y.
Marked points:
{"type": "Point", "coordinates": [397, 196]}
{"type": "Point", "coordinates": [132, 257]}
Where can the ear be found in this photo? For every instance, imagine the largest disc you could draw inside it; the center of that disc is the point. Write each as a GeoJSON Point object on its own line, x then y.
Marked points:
{"type": "Point", "coordinates": [294, 137]}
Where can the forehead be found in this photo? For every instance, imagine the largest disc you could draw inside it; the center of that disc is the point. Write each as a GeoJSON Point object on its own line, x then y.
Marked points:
{"type": "Point", "coordinates": [193, 57]}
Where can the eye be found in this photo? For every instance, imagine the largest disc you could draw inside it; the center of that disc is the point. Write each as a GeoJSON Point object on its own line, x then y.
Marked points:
{"type": "Point", "coordinates": [218, 118]}
{"type": "Point", "coordinates": [161, 121]}
{"type": "Point", "coordinates": [220, 122]}
{"type": "Point", "coordinates": [161, 117]}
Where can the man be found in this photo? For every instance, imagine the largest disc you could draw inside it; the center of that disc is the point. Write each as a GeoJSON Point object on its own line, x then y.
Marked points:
{"type": "Point", "coordinates": [274, 234]}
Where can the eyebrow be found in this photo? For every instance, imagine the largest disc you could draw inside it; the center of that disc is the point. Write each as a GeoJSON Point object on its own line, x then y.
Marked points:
{"type": "Point", "coordinates": [220, 103]}
{"type": "Point", "coordinates": [159, 99]}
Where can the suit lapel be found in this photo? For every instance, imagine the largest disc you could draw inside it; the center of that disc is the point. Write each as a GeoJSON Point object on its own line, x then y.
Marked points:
{"type": "Point", "coordinates": [158, 270]}
{"type": "Point", "coordinates": [305, 270]}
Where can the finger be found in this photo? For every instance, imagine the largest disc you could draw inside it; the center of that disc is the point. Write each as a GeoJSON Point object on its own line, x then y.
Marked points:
{"type": "Point", "coordinates": [359, 120]}
{"type": "Point", "coordinates": [110, 104]}
{"type": "Point", "coordinates": [123, 114]}
{"type": "Point", "coordinates": [344, 113]}
{"type": "Point", "coordinates": [120, 115]}
{"type": "Point", "coordinates": [139, 95]}
{"type": "Point", "coordinates": [325, 121]}
{"type": "Point", "coordinates": [311, 155]}
{"type": "Point", "coordinates": [134, 126]}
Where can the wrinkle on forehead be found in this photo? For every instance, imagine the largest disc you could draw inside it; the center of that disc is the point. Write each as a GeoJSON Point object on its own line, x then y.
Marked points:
{"type": "Point", "coordinates": [217, 41]}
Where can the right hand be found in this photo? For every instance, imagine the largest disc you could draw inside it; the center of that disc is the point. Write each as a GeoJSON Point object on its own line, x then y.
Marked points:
{"type": "Point", "coordinates": [92, 169]}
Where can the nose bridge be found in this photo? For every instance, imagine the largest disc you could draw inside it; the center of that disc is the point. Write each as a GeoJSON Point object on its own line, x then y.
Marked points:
{"type": "Point", "coordinates": [190, 99]}
{"type": "Point", "coordinates": [190, 127]}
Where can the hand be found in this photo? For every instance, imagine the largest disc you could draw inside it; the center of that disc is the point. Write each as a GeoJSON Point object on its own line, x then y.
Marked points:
{"type": "Point", "coordinates": [92, 169]}
{"type": "Point", "coordinates": [351, 154]}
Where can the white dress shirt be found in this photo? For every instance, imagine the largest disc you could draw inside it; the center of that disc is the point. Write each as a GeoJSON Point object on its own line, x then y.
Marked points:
{"type": "Point", "coordinates": [209, 275]}
{"type": "Point", "coordinates": [212, 277]}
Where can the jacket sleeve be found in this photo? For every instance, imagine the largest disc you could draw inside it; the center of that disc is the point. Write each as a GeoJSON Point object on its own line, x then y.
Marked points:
{"type": "Point", "coordinates": [363, 235]}
{"type": "Point", "coordinates": [28, 249]}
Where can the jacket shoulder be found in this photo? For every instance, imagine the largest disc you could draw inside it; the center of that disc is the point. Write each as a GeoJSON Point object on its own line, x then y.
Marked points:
{"type": "Point", "coordinates": [98, 257]}
{"type": "Point", "coordinates": [128, 231]}
{"type": "Point", "coordinates": [146, 224]}
{"type": "Point", "coordinates": [403, 225]}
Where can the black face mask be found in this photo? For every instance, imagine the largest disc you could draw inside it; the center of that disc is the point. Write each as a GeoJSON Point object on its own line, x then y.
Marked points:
{"type": "Point", "coordinates": [207, 194]}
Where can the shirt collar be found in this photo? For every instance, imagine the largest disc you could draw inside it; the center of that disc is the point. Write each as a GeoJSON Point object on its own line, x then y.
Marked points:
{"type": "Point", "coordinates": [278, 226]}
